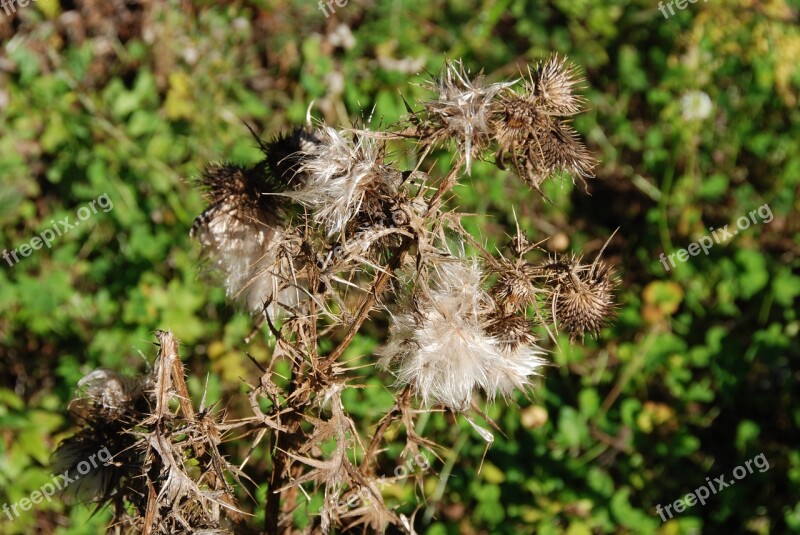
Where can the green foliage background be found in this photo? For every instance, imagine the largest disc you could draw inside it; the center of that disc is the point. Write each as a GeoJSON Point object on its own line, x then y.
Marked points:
{"type": "Point", "coordinates": [698, 374]}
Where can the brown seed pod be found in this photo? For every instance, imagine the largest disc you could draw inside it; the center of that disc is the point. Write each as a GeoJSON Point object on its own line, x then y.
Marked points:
{"type": "Point", "coordinates": [531, 135]}
{"type": "Point", "coordinates": [514, 290]}
{"type": "Point", "coordinates": [553, 83]}
{"type": "Point", "coordinates": [511, 331]}
{"type": "Point", "coordinates": [582, 296]}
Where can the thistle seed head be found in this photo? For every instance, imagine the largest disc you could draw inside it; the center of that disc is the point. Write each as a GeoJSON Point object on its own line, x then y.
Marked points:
{"type": "Point", "coordinates": [437, 344]}
{"type": "Point", "coordinates": [515, 368]}
{"type": "Point", "coordinates": [511, 331]}
{"type": "Point", "coordinates": [520, 357]}
{"type": "Point", "coordinates": [346, 175]}
{"type": "Point", "coordinates": [106, 395]}
{"type": "Point", "coordinates": [108, 406]}
{"type": "Point", "coordinates": [239, 235]}
{"type": "Point", "coordinates": [582, 295]}
{"type": "Point", "coordinates": [239, 190]}
{"type": "Point", "coordinates": [531, 138]}
{"type": "Point", "coordinates": [446, 344]}
{"type": "Point", "coordinates": [514, 290]}
{"type": "Point", "coordinates": [552, 84]}
{"type": "Point", "coordinates": [286, 153]}
{"type": "Point", "coordinates": [462, 111]}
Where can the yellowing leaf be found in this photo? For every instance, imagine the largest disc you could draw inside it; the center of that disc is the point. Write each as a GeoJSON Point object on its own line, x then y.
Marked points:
{"type": "Point", "coordinates": [661, 299]}
{"type": "Point", "coordinates": [491, 474]}
{"type": "Point", "coordinates": [178, 104]}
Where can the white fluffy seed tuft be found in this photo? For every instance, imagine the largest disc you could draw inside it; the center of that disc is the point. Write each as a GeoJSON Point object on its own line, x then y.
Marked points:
{"type": "Point", "coordinates": [342, 172]}
{"type": "Point", "coordinates": [441, 347]}
{"type": "Point", "coordinates": [464, 107]}
{"type": "Point", "coordinates": [244, 251]}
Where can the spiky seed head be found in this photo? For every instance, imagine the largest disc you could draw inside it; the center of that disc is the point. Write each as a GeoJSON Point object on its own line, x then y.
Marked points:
{"type": "Point", "coordinates": [286, 153]}
{"type": "Point", "coordinates": [346, 175]}
{"type": "Point", "coordinates": [447, 342]}
{"type": "Point", "coordinates": [108, 406]}
{"type": "Point", "coordinates": [531, 137]}
{"type": "Point", "coordinates": [553, 83]}
{"type": "Point", "coordinates": [236, 191]}
{"type": "Point", "coordinates": [551, 149]}
{"type": "Point", "coordinates": [514, 290]}
{"type": "Point", "coordinates": [515, 368]}
{"type": "Point", "coordinates": [511, 331]}
{"type": "Point", "coordinates": [437, 344]}
{"type": "Point", "coordinates": [582, 297]}
{"type": "Point", "coordinates": [105, 394]}
{"type": "Point", "coordinates": [461, 111]}
{"type": "Point", "coordinates": [240, 234]}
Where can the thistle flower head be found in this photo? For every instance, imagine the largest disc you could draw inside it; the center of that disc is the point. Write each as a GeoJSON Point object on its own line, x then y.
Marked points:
{"type": "Point", "coordinates": [521, 357]}
{"type": "Point", "coordinates": [582, 297]}
{"type": "Point", "coordinates": [442, 348]}
{"type": "Point", "coordinates": [552, 84]}
{"type": "Point", "coordinates": [530, 135]}
{"type": "Point", "coordinates": [102, 453]}
{"type": "Point", "coordinates": [514, 290]}
{"type": "Point", "coordinates": [239, 234]}
{"type": "Point", "coordinates": [462, 110]}
{"type": "Point", "coordinates": [345, 175]}
{"type": "Point", "coordinates": [107, 395]}
{"type": "Point", "coordinates": [511, 331]}
{"type": "Point", "coordinates": [439, 345]}
{"type": "Point", "coordinates": [286, 152]}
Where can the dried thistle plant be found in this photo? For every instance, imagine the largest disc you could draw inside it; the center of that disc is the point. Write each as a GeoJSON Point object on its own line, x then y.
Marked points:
{"type": "Point", "coordinates": [326, 230]}
{"type": "Point", "coordinates": [165, 473]}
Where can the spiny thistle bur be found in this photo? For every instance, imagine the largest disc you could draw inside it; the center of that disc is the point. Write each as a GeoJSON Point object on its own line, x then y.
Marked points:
{"type": "Point", "coordinates": [320, 233]}
{"type": "Point", "coordinates": [581, 295]}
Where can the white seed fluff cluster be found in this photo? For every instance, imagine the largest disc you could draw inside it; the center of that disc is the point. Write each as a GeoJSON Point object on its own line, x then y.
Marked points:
{"type": "Point", "coordinates": [243, 249]}
{"type": "Point", "coordinates": [441, 347]}
{"type": "Point", "coordinates": [341, 173]}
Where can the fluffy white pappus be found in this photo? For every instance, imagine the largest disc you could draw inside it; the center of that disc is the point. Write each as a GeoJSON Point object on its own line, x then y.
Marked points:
{"type": "Point", "coordinates": [464, 107]}
{"type": "Point", "coordinates": [441, 347]}
{"type": "Point", "coordinates": [341, 172]}
{"type": "Point", "coordinates": [244, 252]}
{"type": "Point", "coordinates": [515, 368]}
{"type": "Point", "coordinates": [106, 394]}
